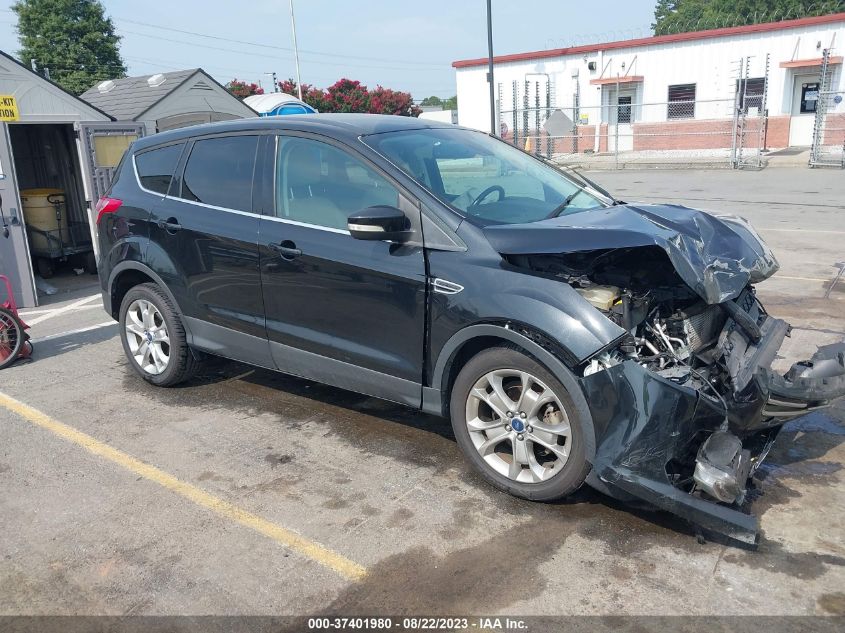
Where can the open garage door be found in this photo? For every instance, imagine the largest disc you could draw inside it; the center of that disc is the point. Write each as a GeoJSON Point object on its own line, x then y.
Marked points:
{"type": "Point", "coordinates": [15, 262]}
{"type": "Point", "coordinates": [101, 146]}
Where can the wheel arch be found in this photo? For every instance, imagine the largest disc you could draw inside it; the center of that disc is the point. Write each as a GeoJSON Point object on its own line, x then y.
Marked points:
{"type": "Point", "coordinates": [129, 274]}
{"type": "Point", "coordinates": [467, 342]}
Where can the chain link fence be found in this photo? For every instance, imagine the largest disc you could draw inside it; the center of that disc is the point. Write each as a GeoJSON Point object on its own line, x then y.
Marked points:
{"type": "Point", "coordinates": [719, 129]}
{"type": "Point", "coordinates": [534, 116]}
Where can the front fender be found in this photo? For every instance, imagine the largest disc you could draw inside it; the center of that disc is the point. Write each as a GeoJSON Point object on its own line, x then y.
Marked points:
{"type": "Point", "coordinates": [493, 292]}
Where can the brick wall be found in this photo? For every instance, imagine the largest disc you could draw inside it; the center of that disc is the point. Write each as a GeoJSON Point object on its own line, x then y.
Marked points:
{"type": "Point", "coordinates": [680, 134]}
{"type": "Point", "coordinates": [777, 133]}
{"type": "Point", "coordinates": [706, 134]}
{"type": "Point", "coordinates": [683, 134]}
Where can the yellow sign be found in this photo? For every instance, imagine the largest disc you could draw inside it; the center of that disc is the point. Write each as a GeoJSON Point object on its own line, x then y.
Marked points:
{"type": "Point", "coordinates": [8, 108]}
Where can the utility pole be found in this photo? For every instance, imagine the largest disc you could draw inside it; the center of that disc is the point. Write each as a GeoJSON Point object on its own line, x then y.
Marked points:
{"type": "Point", "coordinates": [295, 51]}
{"type": "Point", "coordinates": [493, 129]}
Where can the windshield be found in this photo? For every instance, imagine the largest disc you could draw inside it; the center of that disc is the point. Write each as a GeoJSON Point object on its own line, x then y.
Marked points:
{"type": "Point", "coordinates": [485, 179]}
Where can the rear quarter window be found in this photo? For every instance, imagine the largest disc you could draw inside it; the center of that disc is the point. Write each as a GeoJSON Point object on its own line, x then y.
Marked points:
{"type": "Point", "coordinates": [155, 167]}
{"type": "Point", "coordinates": [219, 172]}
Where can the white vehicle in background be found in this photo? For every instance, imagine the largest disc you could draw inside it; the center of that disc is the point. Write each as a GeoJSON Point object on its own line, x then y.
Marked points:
{"type": "Point", "coordinates": [278, 103]}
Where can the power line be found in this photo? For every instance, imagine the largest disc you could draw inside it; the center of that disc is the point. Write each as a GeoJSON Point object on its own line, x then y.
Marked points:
{"type": "Point", "coordinates": [273, 46]}
{"type": "Point", "coordinates": [242, 52]}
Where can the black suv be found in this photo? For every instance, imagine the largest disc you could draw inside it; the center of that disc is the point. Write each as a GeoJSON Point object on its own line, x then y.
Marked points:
{"type": "Point", "coordinates": [568, 335]}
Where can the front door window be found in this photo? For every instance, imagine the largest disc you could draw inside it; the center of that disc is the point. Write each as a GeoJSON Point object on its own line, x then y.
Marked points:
{"type": "Point", "coordinates": [322, 185]}
{"type": "Point", "coordinates": [809, 98]}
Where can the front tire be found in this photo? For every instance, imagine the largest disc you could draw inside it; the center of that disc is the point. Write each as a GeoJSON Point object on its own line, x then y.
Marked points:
{"type": "Point", "coordinates": [153, 337]}
{"type": "Point", "coordinates": [518, 425]}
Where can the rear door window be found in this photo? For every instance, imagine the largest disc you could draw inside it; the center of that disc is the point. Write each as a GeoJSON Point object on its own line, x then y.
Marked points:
{"type": "Point", "coordinates": [156, 166]}
{"type": "Point", "coordinates": [219, 172]}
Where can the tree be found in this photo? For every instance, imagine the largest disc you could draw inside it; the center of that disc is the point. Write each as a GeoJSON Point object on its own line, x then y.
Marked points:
{"type": "Point", "coordinates": [243, 89]}
{"type": "Point", "coordinates": [73, 38]}
{"type": "Point", "coordinates": [447, 104]}
{"type": "Point", "coordinates": [678, 16]}
{"type": "Point", "coordinates": [347, 95]}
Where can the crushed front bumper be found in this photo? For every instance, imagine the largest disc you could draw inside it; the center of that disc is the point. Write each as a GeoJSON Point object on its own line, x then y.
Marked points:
{"type": "Point", "coordinates": [650, 430]}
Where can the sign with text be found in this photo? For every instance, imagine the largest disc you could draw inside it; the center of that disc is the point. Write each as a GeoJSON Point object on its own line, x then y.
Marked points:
{"type": "Point", "coordinates": [8, 108]}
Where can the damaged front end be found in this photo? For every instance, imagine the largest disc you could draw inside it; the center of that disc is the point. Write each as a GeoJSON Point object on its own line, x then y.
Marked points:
{"type": "Point", "coordinates": [685, 404]}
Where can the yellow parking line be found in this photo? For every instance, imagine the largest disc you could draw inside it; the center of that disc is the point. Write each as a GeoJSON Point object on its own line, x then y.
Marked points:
{"type": "Point", "coordinates": [316, 552]}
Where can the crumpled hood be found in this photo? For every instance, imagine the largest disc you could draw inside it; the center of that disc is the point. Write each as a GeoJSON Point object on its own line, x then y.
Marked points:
{"type": "Point", "coordinates": [715, 255]}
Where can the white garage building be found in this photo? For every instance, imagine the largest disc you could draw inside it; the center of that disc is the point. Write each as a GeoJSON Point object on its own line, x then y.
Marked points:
{"type": "Point", "coordinates": [667, 92]}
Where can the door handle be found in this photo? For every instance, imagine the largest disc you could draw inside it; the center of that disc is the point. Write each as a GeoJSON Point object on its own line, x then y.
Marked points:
{"type": "Point", "coordinates": [171, 225]}
{"type": "Point", "coordinates": [286, 250]}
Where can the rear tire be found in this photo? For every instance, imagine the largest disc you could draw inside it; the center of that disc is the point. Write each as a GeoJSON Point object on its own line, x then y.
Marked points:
{"type": "Point", "coordinates": [518, 425]}
{"type": "Point", "coordinates": [154, 338]}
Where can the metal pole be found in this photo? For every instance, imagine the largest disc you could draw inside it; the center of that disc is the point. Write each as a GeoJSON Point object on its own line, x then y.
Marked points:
{"type": "Point", "coordinates": [493, 129]}
{"type": "Point", "coordinates": [616, 127]}
{"type": "Point", "coordinates": [295, 51]}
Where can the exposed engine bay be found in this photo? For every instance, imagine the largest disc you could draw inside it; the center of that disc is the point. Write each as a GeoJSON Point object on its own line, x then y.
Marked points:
{"type": "Point", "coordinates": [707, 439]}
{"type": "Point", "coordinates": [673, 332]}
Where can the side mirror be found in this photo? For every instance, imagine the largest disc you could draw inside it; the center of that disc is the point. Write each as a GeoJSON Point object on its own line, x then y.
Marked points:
{"type": "Point", "coordinates": [379, 223]}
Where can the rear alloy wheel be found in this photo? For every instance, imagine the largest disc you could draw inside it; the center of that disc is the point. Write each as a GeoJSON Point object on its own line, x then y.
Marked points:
{"type": "Point", "coordinates": [147, 337]}
{"type": "Point", "coordinates": [153, 337]}
{"type": "Point", "coordinates": [517, 424]}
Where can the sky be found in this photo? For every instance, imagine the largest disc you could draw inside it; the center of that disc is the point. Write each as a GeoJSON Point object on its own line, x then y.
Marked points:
{"type": "Point", "coordinates": [405, 45]}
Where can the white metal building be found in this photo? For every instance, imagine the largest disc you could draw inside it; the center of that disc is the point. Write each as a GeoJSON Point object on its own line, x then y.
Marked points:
{"type": "Point", "coordinates": [684, 82]}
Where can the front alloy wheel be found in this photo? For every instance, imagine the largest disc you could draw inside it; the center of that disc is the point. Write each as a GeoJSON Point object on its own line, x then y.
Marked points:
{"type": "Point", "coordinates": [518, 425]}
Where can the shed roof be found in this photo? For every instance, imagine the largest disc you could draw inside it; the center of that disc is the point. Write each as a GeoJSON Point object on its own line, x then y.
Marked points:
{"type": "Point", "coordinates": [132, 96]}
{"type": "Point", "coordinates": [14, 78]}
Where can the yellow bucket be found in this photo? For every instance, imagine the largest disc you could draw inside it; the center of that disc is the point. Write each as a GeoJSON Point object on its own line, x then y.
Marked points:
{"type": "Point", "coordinates": [39, 213]}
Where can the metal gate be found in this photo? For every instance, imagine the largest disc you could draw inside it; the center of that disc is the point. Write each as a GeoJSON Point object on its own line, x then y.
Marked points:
{"type": "Point", "coordinates": [532, 104]}
{"type": "Point", "coordinates": [828, 148]}
{"type": "Point", "coordinates": [101, 146]}
{"type": "Point", "coordinates": [750, 117]}
{"type": "Point", "coordinates": [15, 261]}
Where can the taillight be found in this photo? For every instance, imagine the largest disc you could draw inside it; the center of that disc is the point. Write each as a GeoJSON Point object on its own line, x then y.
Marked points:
{"type": "Point", "coordinates": [107, 205]}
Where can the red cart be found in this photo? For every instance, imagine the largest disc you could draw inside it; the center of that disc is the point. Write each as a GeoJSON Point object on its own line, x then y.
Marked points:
{"type": "Point", "coordinates": [14, 341]}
